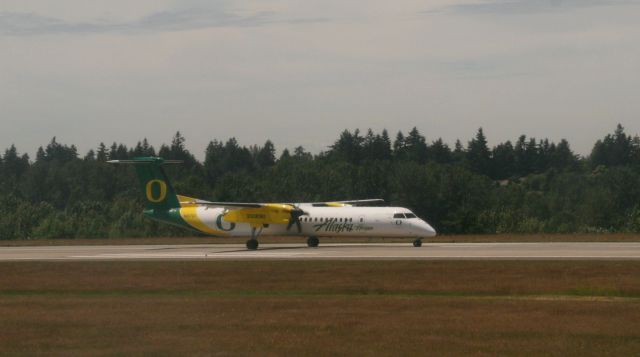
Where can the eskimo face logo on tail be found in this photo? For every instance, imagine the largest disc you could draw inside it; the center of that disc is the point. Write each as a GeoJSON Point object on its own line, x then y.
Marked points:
{"type": "Point", "coordinates": [159, 194]}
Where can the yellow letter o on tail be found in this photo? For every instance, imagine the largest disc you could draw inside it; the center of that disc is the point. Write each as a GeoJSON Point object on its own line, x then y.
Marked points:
{"type": "Point", "coordinates": [163, 191]}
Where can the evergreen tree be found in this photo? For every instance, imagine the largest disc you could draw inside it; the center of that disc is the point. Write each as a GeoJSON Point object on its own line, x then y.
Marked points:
{"type": "Point", "coordinates": [504, 161]}
{"type": "Point", "coordinates": [286, 155]}
{"type": "Point", "coordinates": [459, 154]}
{"type": "Point", "coordinates": [300, 154]}
{"type": "Point", "coordinates": [147, 150]}
{"type": "Point", "coordinates": [416, 146]}
{"type": "Point", "coordinates": [383, 146]}
{"type": "Point", "coordinates": [102, 154]}
{"type": "Point", "coordinates": [440, 152]}
{"type": "Point", "coordinates": [562, 157]}
{"type": "Point", "coordinates": [523, 163]}
{"type": "Point", "coordinates": [143, 149]}
{"type": "Point", "coordinates": [613, 150]}
{"type": "Point", "coordinates": [369, 146]}
{"type": "Point", "coordinates": [60, 195]}
{"type": "Point", "coordinates": [178, 151]}
{"type": "Point", "coordinates": [13, 164]}
{"type": "Point", "coordinates": [90, 156]}
{"type": "Point", "coordinates": [59, 152]}
{"type": "Point", "coordinates": [266, 155]}
{"type": "Point", "coordinates": [376, 146]}
{"type": "Point", "coordinates": [40, 155]}
{"type": "Point", "coordinates": [399, 147]}
{"type": "Point", "coordinates": [478, 155]}
{"type": "Point", "coordinates": [348, 147]}
{"type": "Point", "coordinates": [213, 159]}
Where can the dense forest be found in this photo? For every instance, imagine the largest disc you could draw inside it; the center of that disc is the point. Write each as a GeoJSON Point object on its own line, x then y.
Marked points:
{"type": "Point", "coordinates": [525, 186]}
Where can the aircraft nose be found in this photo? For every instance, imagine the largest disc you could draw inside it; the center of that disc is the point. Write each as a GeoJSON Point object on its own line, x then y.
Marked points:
{"type": "Point", "coordinates": [426, 229]}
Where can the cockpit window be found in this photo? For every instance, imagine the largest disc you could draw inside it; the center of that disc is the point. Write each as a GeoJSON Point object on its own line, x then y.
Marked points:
{"type": "Point", "coordinates": [398, 215]}
{"type": "Point", "coordinates": [410, 215]}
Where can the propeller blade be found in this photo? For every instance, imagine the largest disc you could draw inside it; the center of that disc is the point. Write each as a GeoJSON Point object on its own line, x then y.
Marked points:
{"type": "Point", "coordinates": [296, 213]}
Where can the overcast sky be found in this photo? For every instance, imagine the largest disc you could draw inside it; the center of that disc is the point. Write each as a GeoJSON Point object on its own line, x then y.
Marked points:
{"type": "Point", "coordinates": [299, 72]}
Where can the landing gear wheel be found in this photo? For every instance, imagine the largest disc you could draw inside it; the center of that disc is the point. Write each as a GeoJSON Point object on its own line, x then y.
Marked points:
{"type": "Point", "coordinates": [313, 242]}
{"type": "Point", "coordinates": [417, 243]}
{"type": "Point", "coordinates": [252, 244]}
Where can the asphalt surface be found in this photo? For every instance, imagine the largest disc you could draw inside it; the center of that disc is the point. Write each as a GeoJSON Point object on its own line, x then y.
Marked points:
{"type": "Point", "coordinates": [388, 251]}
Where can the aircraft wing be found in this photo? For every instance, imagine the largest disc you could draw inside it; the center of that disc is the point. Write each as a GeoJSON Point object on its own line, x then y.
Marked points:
{"type": "Point", "coordinates": [362, 202]}
{"type": "Point", "coordinates": [190, 201]}
{"type": "Point", "coordinates": [184, 200]}
{"type": "Point", "coordinates": [347, 203]}
{"type": "Point", "coordinates": [255, 214]}
{"type": "Point", "coordinates": [232, 204]}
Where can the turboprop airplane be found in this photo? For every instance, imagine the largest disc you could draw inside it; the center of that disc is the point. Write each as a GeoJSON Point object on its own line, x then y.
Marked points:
{"type": "Point", "coordinates": [313, 220]}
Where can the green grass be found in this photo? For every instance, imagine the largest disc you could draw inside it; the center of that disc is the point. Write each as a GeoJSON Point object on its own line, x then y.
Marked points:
{"type": "Point", "coordinates": [481, 308]}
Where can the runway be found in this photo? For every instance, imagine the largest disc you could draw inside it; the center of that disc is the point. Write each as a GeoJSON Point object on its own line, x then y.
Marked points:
{"type": "Point", "coordinates": [382, 251]}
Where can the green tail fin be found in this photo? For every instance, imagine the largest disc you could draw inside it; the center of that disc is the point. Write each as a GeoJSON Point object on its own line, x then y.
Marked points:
{"type": "Point", "coordinates": [156, 187]}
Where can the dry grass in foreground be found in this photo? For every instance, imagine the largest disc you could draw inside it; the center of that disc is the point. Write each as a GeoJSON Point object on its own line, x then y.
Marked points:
{"type": "Point", "coordinates": [478, 238]}
{"type": "Point", "coordinates": [321, 308]}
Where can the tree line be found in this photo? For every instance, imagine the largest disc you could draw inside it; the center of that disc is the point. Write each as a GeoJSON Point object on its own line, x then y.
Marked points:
{"type": "Point", "coordinates": [525, 186]}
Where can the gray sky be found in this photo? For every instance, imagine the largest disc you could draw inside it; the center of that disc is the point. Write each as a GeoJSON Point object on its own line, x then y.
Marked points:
{"type": "Point", "coordinates": [301, 72]}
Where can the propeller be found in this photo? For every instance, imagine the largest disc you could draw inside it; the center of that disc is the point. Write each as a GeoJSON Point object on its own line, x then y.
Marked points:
{"type": "Point", "coordinates": [296, 213]}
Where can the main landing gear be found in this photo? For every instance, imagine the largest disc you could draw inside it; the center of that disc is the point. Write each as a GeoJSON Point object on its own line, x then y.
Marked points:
{"type": "Point", "coordinates": [313, 242]}
{"type": "Point", "coordinates": [252, 244]}
{"type": "Point", "coordinates": [417, 243]}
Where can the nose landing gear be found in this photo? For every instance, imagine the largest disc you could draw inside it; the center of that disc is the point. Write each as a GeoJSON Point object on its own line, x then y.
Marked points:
{"type": "Point", "coordinates": [417, 243]}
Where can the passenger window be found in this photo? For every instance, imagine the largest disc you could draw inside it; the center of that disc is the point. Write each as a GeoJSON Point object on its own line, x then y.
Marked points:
{"type": "Point", "coordinates": [398, 215]}
{"type": "Point", "coordinates": [340, 219]}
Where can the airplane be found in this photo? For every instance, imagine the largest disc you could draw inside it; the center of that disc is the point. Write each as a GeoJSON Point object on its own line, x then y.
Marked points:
{"type": "Point", "coordinates": [232, 219]}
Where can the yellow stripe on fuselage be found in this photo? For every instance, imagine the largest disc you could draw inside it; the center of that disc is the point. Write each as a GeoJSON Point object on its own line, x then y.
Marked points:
{"type": "Point", "coordinates": [190, 215]}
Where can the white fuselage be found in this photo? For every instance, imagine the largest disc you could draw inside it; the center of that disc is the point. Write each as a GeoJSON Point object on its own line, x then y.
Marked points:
{"type": "Point", "coordinates": [348, 221]}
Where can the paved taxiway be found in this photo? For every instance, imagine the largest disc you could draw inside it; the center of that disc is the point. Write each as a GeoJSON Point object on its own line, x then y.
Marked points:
{"type": "Point", "coordinates": [390, 251]}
